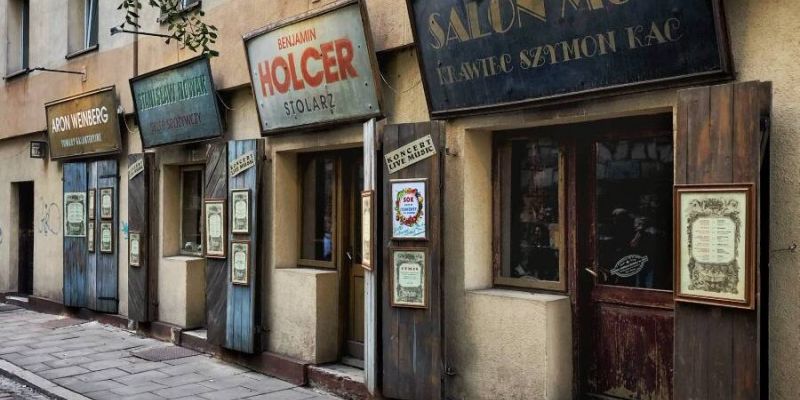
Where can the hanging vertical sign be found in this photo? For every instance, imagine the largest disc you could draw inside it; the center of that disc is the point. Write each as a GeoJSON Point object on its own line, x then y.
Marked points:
{"type": "Point", "coordinates": [314, 69]}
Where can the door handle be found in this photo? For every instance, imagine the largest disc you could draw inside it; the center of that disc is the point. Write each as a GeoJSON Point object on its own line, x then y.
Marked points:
{"type": "Point", "coordinates": [349, 255]}
{"type": "Point", "coordinates": [592, 273]}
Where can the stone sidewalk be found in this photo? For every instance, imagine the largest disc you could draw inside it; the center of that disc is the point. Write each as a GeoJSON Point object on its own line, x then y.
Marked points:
{"type": "Point", "coordinates": [91, 360]}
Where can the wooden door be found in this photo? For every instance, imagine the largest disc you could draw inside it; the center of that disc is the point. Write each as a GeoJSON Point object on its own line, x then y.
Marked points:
{"type": "Point", "coordinates": [143, 221]}
{"type": "Point", "coordinates": [216, 187]}
{"type": "Point", "coordinates": [412, 337]}
{"type": "Point", "coordinates": [103, 271]}
{"type": "Point", "coordinates": [352, 166]}
{"type": "Point", "coordinates": [75, 252]}
{"type": "Point", "coordinates": [25, 241]}
{"type": "Point", "coordinates": [627, 315]}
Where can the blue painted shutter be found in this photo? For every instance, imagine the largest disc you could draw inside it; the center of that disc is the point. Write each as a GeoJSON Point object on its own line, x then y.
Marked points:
{"type": "Point", "coordinates": [74, 247]}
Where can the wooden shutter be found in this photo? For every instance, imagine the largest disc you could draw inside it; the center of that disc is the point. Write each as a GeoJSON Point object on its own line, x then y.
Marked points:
{"type": "Point", "coordinates": [412, 338]}
{"type": "Point", "coordinates": [216, 187]}
{"type": "Point", "coordinates": [75, 254]}
{"type": "Point", "coordinates": [719, 140]}
{"type": "Point", "coordinates": [104, 270]}
{"type": "Point", "coordinates": [143, 219]}
{"type": "Point", "coordinates": [242, 307]}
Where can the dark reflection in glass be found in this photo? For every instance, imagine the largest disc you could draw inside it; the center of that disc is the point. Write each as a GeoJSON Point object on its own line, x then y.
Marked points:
{"type": "Point", "coordinates": [318, 203]}
{"type": "Point", "coordinates": [634, 212]}
{"type": "Point", "coordinates": [534, 227]}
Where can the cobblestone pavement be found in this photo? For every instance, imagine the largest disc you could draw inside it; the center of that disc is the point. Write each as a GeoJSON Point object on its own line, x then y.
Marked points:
{"type": "Point", "coordinates": [95, 361]}
{"type": "Point", "coordinates": [11, 390]}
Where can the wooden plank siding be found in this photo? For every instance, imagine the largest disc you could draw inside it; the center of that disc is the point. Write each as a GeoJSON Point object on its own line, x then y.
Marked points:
{"type": "Point", "coordinates": [143, 280]}
{"type": "Point", "coordinates": [106, 273]}
{"type": "Point", "coordinates": [412, 338]}
{"type": "Point", "coordinates": [217, 274]}
{"type": "Point", "coordinates": [718, 140]}
{"type": "Point", "coordinates": [75, 251]}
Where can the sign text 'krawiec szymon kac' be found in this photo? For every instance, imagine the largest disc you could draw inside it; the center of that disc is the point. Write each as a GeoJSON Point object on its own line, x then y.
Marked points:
{"type": "Point", "coordinates": [83, 125]}
{"type": "Point", "coordinates": [314, 70]}
{"type": "Point", "coordinates": [478, 55]}
{"type": "Point", "coordinates": [177, 104]}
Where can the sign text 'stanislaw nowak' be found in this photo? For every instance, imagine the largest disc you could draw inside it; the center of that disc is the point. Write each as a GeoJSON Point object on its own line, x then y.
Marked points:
{"type": "Point", "coordinates": [83, 125]}
{"type": "Point", "coordinates": [313, 71]}
{"type": "Point", "coordinates": [479, 54]}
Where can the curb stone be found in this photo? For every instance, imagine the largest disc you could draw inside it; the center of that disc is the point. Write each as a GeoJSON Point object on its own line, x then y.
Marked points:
{"type": "Point", "coordinates": [38, 383]}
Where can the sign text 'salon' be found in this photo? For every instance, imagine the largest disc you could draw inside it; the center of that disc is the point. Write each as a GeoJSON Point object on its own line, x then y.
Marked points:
{"type": "Point", "coordinates": [479, 55]}
{"type": "Point", "coordinates": [83, 125]}
{"type": "Point", "coordinates": [314, 69]}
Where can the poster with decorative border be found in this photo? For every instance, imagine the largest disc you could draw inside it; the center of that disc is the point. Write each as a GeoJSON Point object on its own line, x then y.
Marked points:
{"type": "Point", "coordinates": [214, 211]}
{"type": "Point", "coordinates": [106, 237]}
{"type": "Point", "coordinates": [134, 248]}
{"type": "Point", "coordinates": [367, 219]}
{"type": "Point", "coordinates": [240, 211]}
{"type": "Point", "coordinates": [107, 203]}
{"type": "Point", "coordinates": [90, 237]}
{"type": "Point", "coordinates": [409, 209]}
{"type": "Point", "coordinates": [408, 278]}
{"type": "Point", "coordinates": [91, 203]}
{"type": "Point", "coordinates": [74, 214]}
{"type": "Point", "coordinates": [240, 262]}
{"type": "Point", "coordinates": [715, 244]}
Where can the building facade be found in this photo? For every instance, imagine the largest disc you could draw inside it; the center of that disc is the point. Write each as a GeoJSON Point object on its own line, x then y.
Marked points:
{"type": "Point", "coordinates": [545, 265]}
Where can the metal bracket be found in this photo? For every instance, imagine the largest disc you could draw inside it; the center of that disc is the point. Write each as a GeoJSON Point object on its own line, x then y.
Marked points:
{"type": "Point", "coordinates": [451, 153]}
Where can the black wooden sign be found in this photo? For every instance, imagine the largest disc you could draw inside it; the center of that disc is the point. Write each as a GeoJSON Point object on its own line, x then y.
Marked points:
{"type": "Point", "coordinates": [486, 54]}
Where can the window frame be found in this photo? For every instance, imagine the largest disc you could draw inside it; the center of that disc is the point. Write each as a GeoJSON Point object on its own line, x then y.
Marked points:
{"type": "Point", "coordinates": [501, 209]}
{"type": "Point", "coordinates": [24, 42]}
{"type": "Point", "coordinates": [201, 228]}
{"type": "Point", "coordinates": [88, 29]}
{"type": "Point", "coordinates": [303, 161]}
{"type": "Point", "coordinates": [181, 9]}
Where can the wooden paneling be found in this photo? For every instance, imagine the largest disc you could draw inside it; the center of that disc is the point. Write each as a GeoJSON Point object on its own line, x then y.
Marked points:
{"type": "Point", "coordinates": [75, 247]}
{"type": "Point", "coordinates": [718, 141]}
{"type": "Point", "coordinates": [106, 273]}
{"type": "Point", "coordinates": [91, 257]}
{"type": "Point", "coordinates": [142, 214]}
{"type": "Point", "coordinates": [216, 187]}
{"type": "Point", "coordinates": [412, 338]}
{"type": "Point", "coordinates": [242, 307]}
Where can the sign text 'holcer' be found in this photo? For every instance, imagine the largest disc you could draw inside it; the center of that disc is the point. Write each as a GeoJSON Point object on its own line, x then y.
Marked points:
{"type": "Point", "coordinates": [315, 70]}
{"type": "Point", "coordinates": [487, 54]}
{"type": "Point", "coordinates": [84, 125]}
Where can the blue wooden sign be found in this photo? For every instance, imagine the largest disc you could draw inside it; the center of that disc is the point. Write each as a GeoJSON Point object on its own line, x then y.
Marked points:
{"type": "Point", "coordinates": [177, 104]}
{"type": "Point", "coordinates": [484, 54]}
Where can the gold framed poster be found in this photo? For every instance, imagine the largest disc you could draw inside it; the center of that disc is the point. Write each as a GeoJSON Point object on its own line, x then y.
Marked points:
{"type": "Point", "coordinates": [409, 210]}
{"type": "Point", "coordinates": [240, 214]}
{"type": "Point", "coordinates": [409, 285]}
{"type": "Point", "coordinates": [240, 262]}
{"type": "Point", "coordinates": [107, 203]}
{"type": "Point", "coordinates": [74, 214]}
{"type": "Point", "coordinates": [214, 211]}
{"type": "Point", "coordinates": [90, 237]}
{"type": "Point", "coordinates": [91, 203]}
{"type": "Point", "coordinates": [367, 218]}
{"type": "Point", "coordinates": [106, 237]}
{"type": "Point", "coordinates": [134, 248]}
{"type": "Point", "coordinates": [715, 244]}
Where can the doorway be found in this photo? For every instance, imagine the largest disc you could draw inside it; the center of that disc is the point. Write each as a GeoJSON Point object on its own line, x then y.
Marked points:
{"type": "Point", "coordinates": [25, 237]}
{"type": "Point", "coordinates": [352, 268]}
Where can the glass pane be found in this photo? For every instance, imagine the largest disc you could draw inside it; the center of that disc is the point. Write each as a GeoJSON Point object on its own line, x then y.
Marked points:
{"type": "Point", "coordinates": [534, 218]}
{"type": "Point", "coordinates": [634, 212]}
{"type": "Point", "coordinates": [192, 192]}
{"type": "Point", "coordinates": [318, 223]}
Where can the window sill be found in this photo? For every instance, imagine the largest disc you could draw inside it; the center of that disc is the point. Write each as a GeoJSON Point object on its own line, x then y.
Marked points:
{"type": "Point", "coordinates": [81, 52]}
{"type": "Point", "coordinates": [518, 294]}
{"type": "Point", "coordinates": [184, 258]}
{"type": "Point", "coordinates": [13, 75]}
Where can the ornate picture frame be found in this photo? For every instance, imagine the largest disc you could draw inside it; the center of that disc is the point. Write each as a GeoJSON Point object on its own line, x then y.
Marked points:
{"type": "Point", "coordinates": [367, 224]}
{"type": "Point", "coordinates": [90, 204]}
{"type": "Point", "coordinates": [240, 262]}
{"type": "Point", "coordinates": [106, 237]}
{"type": "Point", "coordinates": [107, 203]}
{"type": "Point", "coordinates": [134, 249]}
{"type": "Point", "coordinates": [215, 235]}
{"type": "Point", "coordinates": [90, 234]}
{"type": "Point", "coordinates": [715, 244]}
{"type": "Point", "coordinates": [240, 211]}
{"type": "Point", "coordinates": [74, 214]}
{"type": "Point", "coordinates": [409, 209]}
{"type": "Point", "coordinates": [408, 278]}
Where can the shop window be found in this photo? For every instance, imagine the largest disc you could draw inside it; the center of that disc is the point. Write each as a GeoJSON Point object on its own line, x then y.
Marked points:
{"type": "Point", "coordinates": [191, 211]}
{"type": "Point", "coordinates": [17, 30]}
{"type": "Point", "coordinates": [529, 201]}
{"type": "Point", "coordinates": [83, 25]}
{"type": "Point", "coordinates": [318, 211]}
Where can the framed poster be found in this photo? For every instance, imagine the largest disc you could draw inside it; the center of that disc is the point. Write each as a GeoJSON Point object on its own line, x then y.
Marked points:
{"type": "Point", "coordinates": [106, 237]}
{"type": "Point", "coordinates": [240, 201]}
{"type": "Point", "coordinates": [134, 246]}
{"type": "Point", "coordinates": [107, 203]}
{"type": "Point", "coordinates": [90, 237]}
{"type": "Point", "coordinates": [409, 209]}
{"type": "Point", "coordinates": [715, 244]}
{"type": "Point", "coordinates": [409, 277]}
{"type": "Point", "coordinates": [215, 227]}
{"type": "Point", "coordinates": [240, 262]}
{"type": "Point", "coordinates": [91, 203]}
{"type": "Point", "coordinates": [74, 214]}
{"type": "Point", "coordinates": [367, 219]}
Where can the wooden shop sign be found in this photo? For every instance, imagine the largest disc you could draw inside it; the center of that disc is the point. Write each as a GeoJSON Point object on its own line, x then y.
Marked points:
{"type": "Point", "coordinates": [84, 125]}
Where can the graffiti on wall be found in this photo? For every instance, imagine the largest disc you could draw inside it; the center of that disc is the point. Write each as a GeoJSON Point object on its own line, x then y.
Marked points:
{"type": "Point", "coordinates": [124, 229]}
{"type": "Point", "coordinates": [50, 223]}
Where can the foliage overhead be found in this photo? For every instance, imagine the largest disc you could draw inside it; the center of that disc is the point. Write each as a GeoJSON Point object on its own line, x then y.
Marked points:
{"type": "Point", "coordinates": [184, 25]}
